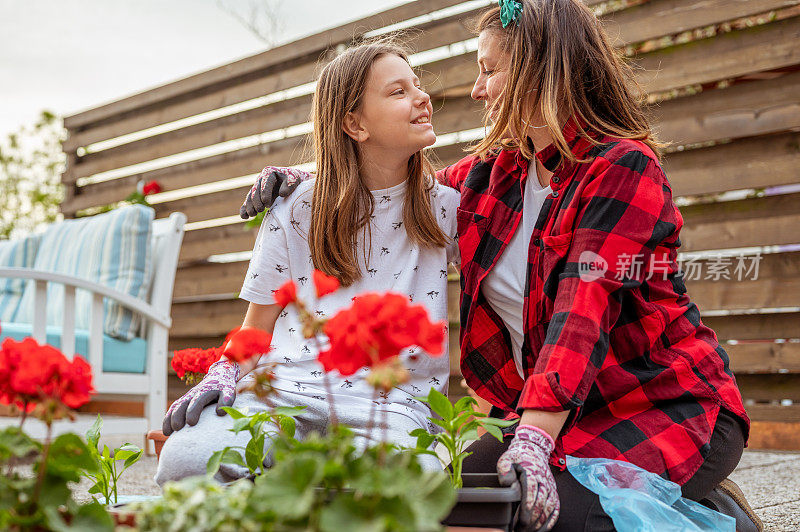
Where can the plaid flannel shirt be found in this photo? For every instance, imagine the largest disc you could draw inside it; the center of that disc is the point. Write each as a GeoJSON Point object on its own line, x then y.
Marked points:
{"type": "Point", "coordinates": [622, 348]}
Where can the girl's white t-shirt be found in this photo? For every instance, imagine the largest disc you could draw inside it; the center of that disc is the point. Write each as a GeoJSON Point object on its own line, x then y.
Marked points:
{"type": "Point", "coordinates": [395, 264]}
{"type": "Point", "coordinates": [504, 285]}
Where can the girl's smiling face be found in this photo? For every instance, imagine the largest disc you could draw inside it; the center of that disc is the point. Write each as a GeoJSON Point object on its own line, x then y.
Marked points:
{"type": "Point", "coordinates": [492, 71]}
{"type": "Point", "coordinates": [395, 112]}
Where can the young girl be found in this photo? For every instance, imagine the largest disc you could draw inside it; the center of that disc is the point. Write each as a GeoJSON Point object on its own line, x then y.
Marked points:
{"type": "Point", "coordinates": [375, 219]}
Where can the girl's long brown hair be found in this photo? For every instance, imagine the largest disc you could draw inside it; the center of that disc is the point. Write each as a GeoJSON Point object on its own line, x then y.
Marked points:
{"type": "Point", "coordinates": [342, 204]}
{"type": "Point", "coordinates": [561, 59]}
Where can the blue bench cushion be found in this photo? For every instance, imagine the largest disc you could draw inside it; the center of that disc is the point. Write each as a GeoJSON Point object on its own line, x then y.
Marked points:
{"type": "Point", "coordinates": [15, 254]}
{"type": "Point", "coordinates": [118, 355]}
{"type": "Point", "coordinates": [112, 249]}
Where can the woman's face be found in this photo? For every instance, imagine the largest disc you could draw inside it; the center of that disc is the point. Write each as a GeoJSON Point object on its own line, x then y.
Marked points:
{"type": "Point", "coordinates": [492, 71]}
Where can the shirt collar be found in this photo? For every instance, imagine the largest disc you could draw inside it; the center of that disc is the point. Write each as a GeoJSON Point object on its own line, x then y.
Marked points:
{"type": "Point", "coordinates": [578, 144]}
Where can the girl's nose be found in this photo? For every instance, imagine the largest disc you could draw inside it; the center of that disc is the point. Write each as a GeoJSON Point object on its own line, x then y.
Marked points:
{"type": "Point", "coordinates": [423, 98]}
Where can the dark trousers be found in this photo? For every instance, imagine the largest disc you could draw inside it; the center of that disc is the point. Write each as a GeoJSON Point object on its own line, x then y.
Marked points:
{"type": "Point", "coordinates": [581, 509]}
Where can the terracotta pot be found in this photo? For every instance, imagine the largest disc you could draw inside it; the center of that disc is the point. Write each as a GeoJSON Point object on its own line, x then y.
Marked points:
{"type": "Point", "coordinates": [158, 440]}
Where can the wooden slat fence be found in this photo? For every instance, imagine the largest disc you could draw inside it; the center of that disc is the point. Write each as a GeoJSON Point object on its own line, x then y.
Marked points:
{"type": "Point", "coordinates": [724, 79]}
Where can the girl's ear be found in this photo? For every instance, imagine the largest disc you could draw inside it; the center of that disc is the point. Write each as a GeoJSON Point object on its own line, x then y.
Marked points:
{"type": "Point", "coordinates": [353, 127]}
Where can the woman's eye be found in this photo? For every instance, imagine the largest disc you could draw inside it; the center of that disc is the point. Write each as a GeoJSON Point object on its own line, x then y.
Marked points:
{"type": "Point", "coordinates": [488, 72]}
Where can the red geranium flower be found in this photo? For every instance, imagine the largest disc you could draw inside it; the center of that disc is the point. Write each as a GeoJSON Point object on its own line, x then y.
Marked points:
{"type": "Point", "coordinates": [245, 343]}
{"type": "Point", "coordinates": [286, 294]}
{"type": "Point", "coordinates": [325, 284]}
{"type": "Point", "coordinates": [194, 361]}
{"type": "Point", "coordinates": [31, 373]}
{"type": "Point", "coordinates": [375, 328]}
{"type": "Point", "coordinates": [151, 187]}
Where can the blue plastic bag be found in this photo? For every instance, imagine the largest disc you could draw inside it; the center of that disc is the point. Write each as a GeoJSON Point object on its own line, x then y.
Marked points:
{"type": "Point", "coordinates": [641, 501]}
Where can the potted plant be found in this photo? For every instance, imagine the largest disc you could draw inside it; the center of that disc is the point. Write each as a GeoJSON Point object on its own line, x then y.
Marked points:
{"type": "Point", "coordinates": [40, 382]}
{"type": "Point", "coordinates": [481, 501]}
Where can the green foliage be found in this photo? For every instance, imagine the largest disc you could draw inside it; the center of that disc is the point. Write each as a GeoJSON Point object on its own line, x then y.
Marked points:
{"type": "Point", "coordinates": [104, 472]}
{"type": "Point", "coordinates": [459, 425]}
{"type": "Point", "coordinates": [256, 220]}
{"type": "Point", "coordinates": [45, 501]}
{"type": "Point", "coordinates": [31, 163]}
{"type": "Point", "coordinates": [261, 425]}
{"type": "Point", "coordinates": [323, 483]}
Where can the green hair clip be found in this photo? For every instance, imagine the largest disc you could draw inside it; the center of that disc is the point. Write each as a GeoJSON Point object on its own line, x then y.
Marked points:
{"type": "Point", "coordinates": [510, 10]}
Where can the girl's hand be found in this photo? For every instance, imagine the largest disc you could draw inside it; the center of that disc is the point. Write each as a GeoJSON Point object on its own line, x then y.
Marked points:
{"type": "Point", "coordinates": [219, 385]}
{"type": "Point", "coordinates": [527, 460]}
{"type": "Point", "coordinates": [273, 181]}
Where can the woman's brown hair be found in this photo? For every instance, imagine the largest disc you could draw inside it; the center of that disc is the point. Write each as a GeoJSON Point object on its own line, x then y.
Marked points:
{"type": "Point", "coordinates": [342, 204]}
{"type": "Point", "coordinates": [561, 59]}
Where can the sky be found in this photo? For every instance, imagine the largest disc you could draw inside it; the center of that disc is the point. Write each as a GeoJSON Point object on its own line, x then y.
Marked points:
{"type": "Point", "coordinates": [71, 55]}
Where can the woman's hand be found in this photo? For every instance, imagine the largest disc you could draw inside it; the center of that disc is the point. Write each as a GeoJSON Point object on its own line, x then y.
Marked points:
{"type": "Point", "coordinates": [273, 181]}
{"type": "Point", "coordinates": [219, 385]}
{"type": "Point", "coordinates": [527, 460]}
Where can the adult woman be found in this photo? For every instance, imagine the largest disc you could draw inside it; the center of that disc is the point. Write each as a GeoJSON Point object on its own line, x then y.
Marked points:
{"type": "Point", "coordinates": [574, 313]}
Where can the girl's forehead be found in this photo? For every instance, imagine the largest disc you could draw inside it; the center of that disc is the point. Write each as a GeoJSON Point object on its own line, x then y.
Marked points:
{"type": "Point", "coordinates": [389, 68]}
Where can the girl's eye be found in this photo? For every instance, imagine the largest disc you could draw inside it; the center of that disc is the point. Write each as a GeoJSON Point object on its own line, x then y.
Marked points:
{"type": "Point", "coordinates": [488, 72]}
{"type": "Point", "coordinates": [398, 91]}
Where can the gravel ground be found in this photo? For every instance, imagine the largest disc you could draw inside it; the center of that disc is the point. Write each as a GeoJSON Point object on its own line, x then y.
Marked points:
{"type": "Point", "coordinates": [770, 480]}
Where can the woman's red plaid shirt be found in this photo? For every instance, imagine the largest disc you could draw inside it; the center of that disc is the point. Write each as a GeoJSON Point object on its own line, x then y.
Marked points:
{"type": "Point", "coordinates": [610, 332]}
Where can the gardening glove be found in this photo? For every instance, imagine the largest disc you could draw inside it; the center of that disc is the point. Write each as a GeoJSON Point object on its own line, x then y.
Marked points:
{"type": "Point", "coordinates": [527, 460]}
{"type": "Point", "coordinates": [218, 385]}
{"type": "Point", "coordinates": [273, 181]}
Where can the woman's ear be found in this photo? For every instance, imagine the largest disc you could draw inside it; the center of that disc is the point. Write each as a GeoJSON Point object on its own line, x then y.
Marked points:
{"type": "Point", "coordinates": [353, 127]}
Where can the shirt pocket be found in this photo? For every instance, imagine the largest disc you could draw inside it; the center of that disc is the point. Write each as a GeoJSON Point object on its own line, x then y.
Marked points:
{"type": "Point", "coordinates": [552, 263]}
{"type": "Point", "coordinates": [471, 229]}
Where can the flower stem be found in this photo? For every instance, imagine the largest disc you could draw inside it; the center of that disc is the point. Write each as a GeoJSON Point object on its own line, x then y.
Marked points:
{"type": "Point", "coordinates": [43, 468]}
{"type": "Point", "coordinates": [371, 419]}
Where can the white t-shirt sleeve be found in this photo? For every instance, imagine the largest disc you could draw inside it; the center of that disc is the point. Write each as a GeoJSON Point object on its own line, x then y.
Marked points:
{"type": "Point", "coordinates": [269, 266]}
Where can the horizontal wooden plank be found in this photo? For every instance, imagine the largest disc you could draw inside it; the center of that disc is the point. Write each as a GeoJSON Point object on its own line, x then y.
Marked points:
{"type": "Point", "coordinates": [764, 357]}
{"type": "Point", "coordinates": [769, 387]}
{"type": "Point", "coordinates": [775, 413]}
{"type": "Point", "coordinates": [199, 244]}
{"type": "Point", "coordinates": [742, 110]}
{"type": "Point", "coordinates": [774, 435]}
{"type": "Point", "coordinates": [212, 278]}
{"type": "Point", "coordinates": [777, 284]}
{"type": "Point", "coordinates": [657, 18]}
{"type": "Point", "coordinates": [746, 163]}
{"type": "Point", "coordinates": [767, 47]}
{"type": "Point", "coordinates": [755, 326]}
{"type": "Point", "coordinates": [302, 49]}
{"type": "Point", "coordinates": [766, 221]}
{"type": "Point", "coordinates": [201, 319]}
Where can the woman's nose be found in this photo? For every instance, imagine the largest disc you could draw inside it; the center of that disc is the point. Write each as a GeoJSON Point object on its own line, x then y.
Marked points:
{"type": "Point", "coordinates": [478, 90]}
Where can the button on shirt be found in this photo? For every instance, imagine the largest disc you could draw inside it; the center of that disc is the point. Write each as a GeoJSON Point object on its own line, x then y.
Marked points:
{"type": "Point", "coordinates": [504, 285]}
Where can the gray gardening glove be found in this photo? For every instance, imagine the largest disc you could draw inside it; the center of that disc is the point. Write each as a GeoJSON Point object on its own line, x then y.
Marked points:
{"type": "Point", "coordinates": [527, 460]}
{"type": "Point", "coordinates": [219, 385]}
{"type": "Point", "coordinates": [273, 181]}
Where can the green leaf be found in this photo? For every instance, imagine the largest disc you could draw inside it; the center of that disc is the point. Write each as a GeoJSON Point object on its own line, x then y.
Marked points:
{"type": "Point", "coordinates": [254, 454]}
{"type": "Point", "coordinates": [235, 414]}
{"type": "Point", "coordinates": [288, 488]}
{"type": "Point", "coordinates": [14, 442]}
{"type": "Point", "coordinates": [498, 422]}
{"type": "Point", "coordinates": [106, 452]}
{"type": "Point", "coordinates": [424, 440]}
{"type": "Point", "coordinates": [212, 466]}
{"type": "Point", "coordinates": [464, 402]}
{"type": "Point", "coordinates": [232, 456]}
{"type": "Point", "coordinates": [288, 426]}
{"type": "Point", "coordinates": [240, 425]}
{"type": "Point", "coordinates": [290, 411]}
{"type": "Point", "coordinates": [93, 434]}
{"type": "Point", "coordinates": [132, 459]}
{"type": "Point", "coordinates": [91, 517]}
{"type": "Point", "coordinates": [440, 404]}
{"type": "Point", "coordinates": [69, 456]}
{"type": "Point", "coordinates": [494, 431]}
